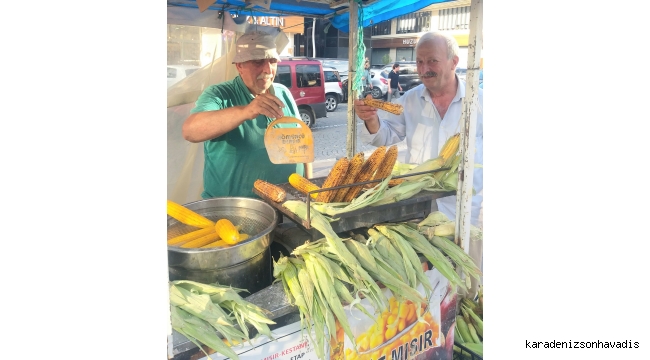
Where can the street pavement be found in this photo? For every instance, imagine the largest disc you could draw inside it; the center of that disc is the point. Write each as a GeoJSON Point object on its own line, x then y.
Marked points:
{"type": "Point", "coordinates": [330, 140]}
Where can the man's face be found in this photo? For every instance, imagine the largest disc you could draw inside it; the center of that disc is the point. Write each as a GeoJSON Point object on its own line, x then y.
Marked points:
{"type": "Point", "coordinates": [435, 70]}
{"type": "Point", "coordinates": [258, 75]}
{"type": "Point", "coordinates": [396, 70]}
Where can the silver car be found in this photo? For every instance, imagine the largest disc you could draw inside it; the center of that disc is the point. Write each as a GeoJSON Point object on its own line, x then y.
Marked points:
{"type": "Point", "coordinates": [379, 84]}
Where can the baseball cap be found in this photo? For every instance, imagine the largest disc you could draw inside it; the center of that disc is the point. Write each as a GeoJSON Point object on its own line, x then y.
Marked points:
{"type": "Point", "coordinates": [255, 45]}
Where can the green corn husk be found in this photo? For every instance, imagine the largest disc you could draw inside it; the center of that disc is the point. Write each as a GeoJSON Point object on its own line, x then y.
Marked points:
{"type": "Point", "coordinates": [336, 246]}
{"type": "Point", "coordinates": [346, 297]}
{"type": "Point", "coordinates": [474, 319]}
{"type": "Point", "coordinates": [394, 284]}
{"type": "Point", "coordinates": [457, 255]}
{"type": "Point", "coordinates": [331, 297]}
{"type": "Point", "coordinates": [405, 190]}
{"type": "Point", "coordinates": [428, 165]}
{"type": "Point", "coordinates": [389, 253]}
{"type": "Point", "coordinates": [198, 330]}
{"type": "Point", "coordinates": [475, 348]}
{"type": "Point", "coordinates": [434, 219]}
{"type": "Point", "coordinates": [437, 258]}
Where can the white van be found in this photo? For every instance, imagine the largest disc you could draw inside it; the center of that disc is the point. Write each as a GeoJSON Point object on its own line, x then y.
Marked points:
{"type": "Point", "coordinates": [333, 88]}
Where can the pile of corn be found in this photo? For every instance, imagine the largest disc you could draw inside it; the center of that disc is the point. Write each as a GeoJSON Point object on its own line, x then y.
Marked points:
{"type": "Point", "coordinates": [223, 233]}
{"type": "Point", "coordinates": [323, 275]}
{"type": "Point", "coordinates": [469, 326]}
{"type": "Point", "coordinates": [215, 316]}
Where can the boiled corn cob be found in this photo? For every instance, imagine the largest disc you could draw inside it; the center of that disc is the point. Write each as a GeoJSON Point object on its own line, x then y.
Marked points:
{"type": "Point", "coordinates": [303, 185]}
{"type": "Point", "coordinates": [353, 169]}
{"type": "Point", "coordinates": [386, 166]}
{"type": "Point", "coordinates": [367, 171]}
{"type": "Point", "coordinates": [451, 147]}
{"type": "Point", "coordinates": [187, 216]}
{"type": "Point", "coordinates": [335, 177]}
{"type": "Point", "coordinates": [273, 192]}
{"type": "Point", "coordinates": [216, 244]}
{"type": "Point", "coordinates": [227, 231]}
{"type": "Point", "coordinates": [179, 240]}
{"type": "Point", "coordinates": [202, 241]}
{"type": "Point", "coordinates": [383, 105]}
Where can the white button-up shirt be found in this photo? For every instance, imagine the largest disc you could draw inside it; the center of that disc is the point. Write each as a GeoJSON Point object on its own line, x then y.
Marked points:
{"type": "Point", "coordinates": [426, 132]}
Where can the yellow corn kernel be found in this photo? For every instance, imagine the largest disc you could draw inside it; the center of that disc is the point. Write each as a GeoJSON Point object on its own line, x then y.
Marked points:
{"type": "Point", "coordinates": [181, 239]}
{"type": "Point", "coordinates": [411, 316]}
{"type": "Point", "coordinates": [403, 310]}
{"type": "Point", "coordinates": [450, 147]}
{"type": "Point", "coordinates": [401, 324]}
{"type": "Point", "coordinates": [391, 327]}
{"type": "Point", "coordinates": [386, 166]}
{"type": "Point", "coordinates": [202, 241]}
{"type": "Point", "coordinates": [362, 342]}
{"type": "Point", "coordinates": [367, 171]}
{"type": "Point", "coordinates": [187, 216]}
{"type": "Point", "coordinates": [273, 192]}
{"type": "Point", "coordinates": [334, 178]}
{"type": "Point", "coordinates": [227, 231]}
{"type": "Point", "coordinates": [353, 169]}
{"type": "Point", "coordinates": [303, 185]}
{"type": "Point", "coordinates": [216, 244]}
{"type": "Point", "coordinates": [376, 340]}
{"type": "Point", "coordinates": [384, 105]}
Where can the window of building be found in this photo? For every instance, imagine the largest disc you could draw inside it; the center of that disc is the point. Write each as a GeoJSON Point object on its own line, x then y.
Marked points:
{"type": "Point", "coordinates": [454, 19]}
{"type": "Point", "coordinates": [382, 28]}
{"type": "Point", "coordinates": [414, 23]}
{"type": "Point", "coordinates": [183, 45]}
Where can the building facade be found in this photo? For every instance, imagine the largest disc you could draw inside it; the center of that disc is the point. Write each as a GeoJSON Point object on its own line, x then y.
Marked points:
{"type": "Point", "coordinates": [390, 40]}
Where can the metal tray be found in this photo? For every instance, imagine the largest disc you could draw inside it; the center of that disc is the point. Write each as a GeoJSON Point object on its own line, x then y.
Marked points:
{"type": "Point", "coordinates": [417, 206]}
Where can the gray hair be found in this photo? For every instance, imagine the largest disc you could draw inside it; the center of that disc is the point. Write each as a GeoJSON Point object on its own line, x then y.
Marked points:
{"type": "Point", "coordinates": [452, 44]}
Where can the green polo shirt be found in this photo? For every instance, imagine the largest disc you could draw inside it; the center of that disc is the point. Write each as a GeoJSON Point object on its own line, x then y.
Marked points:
{"type": "Point", "coordinates": [236, 159]}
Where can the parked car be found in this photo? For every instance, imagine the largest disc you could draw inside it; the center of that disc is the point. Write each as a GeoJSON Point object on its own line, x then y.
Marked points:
{"type": "Point", "coordinates": [304, 78]}
{"type": "Point", "coordinates": [176, 73]}
{"type": "Point", "coordinates": [408, 74]}
{"type": "Point", "coordinates": [333, 88]}
{"type": "Point", "coordinates": [379, 84]}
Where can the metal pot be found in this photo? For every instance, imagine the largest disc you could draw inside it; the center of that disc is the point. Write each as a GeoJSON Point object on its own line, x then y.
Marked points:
{"type": "Point", "coordinates": [246, 265]}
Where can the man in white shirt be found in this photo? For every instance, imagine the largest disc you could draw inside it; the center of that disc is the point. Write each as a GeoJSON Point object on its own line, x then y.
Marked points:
{"type": "Point", "coordinates": [432, 114]}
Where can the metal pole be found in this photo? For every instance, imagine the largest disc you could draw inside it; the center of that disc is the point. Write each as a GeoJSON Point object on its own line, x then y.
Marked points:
{"type": "Point", "coordinates": [468, 138]}
{"type": "Point", "coordinates": [352, 94]}
{"type": "Point", "coordinates": [313, 37]}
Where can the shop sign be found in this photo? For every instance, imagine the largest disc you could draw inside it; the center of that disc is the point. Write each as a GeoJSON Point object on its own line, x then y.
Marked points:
{"type": "Point", "coordinates": [409, 41]}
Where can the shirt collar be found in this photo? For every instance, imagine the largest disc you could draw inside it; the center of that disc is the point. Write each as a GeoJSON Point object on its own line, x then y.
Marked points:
{"type": "Point", "coordinates": [460, 91]}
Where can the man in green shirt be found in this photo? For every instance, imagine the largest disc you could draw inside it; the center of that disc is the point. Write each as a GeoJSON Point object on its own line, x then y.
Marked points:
{"type": "Point", "coordinates": [231, 118]}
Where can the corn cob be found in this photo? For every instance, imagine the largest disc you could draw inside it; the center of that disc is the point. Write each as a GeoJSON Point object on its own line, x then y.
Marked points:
{"type": "Point", "coordinates": [386, 166]}
{"type": "Point", "coordinates": [353, 169]}
{"type": "Point", "coordinates": [367, 171]}
{"type": "Point", "coordinates": [303, 185]}
{"type": "Point", "coordinates": [271, 191]}
{"type": "Point", "coordinates": [216, 244]}
{"type": "Point", "coordinates": [334, 178]}
{"type": "Point", "coordinates": [227, 231]}
{"type": "Point", "coordinates": [179, 240]}
{"type": "Point", "coordinates": [395, 182]}
{"type": "Point", "coordinates": [451, 147]}
{"type": "Point", "coordinates": [202, 241]}
{"type": "Point", "coordinates": [383, 105]}
{"type": "Point", "coordinates": [187, 216]}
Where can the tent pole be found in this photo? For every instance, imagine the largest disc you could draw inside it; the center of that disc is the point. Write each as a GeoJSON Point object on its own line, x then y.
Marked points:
{"type": "Point", "coordinates": [352, 94]}
{"type": "Point", "coordinates": [468, 140]}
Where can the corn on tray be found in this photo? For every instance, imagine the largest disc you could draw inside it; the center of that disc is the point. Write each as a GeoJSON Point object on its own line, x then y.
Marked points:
{"type": "Point", "coordinates": [417, 206]}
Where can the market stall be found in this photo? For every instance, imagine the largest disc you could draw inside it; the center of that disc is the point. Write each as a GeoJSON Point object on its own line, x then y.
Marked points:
{"type": "Point", "coordinates": [248, 265]}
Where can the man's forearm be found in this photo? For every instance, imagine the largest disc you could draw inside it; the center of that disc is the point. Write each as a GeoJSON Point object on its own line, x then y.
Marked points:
{"type": "Point", "coordinates": [208, 125]}
{"type": "Point", "coordinates": [372, 125]}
